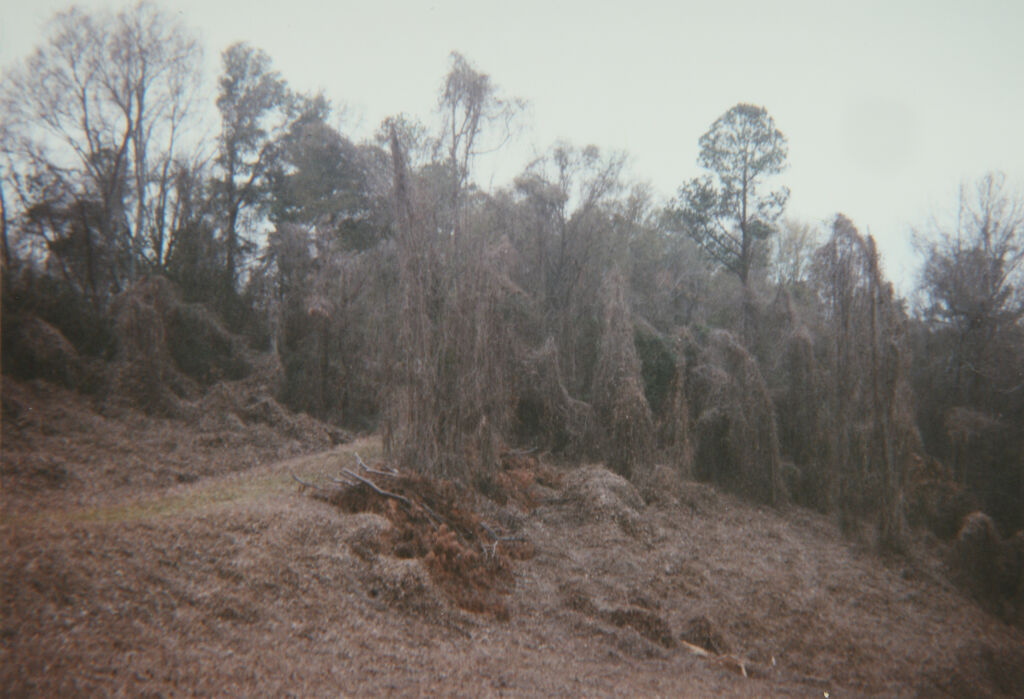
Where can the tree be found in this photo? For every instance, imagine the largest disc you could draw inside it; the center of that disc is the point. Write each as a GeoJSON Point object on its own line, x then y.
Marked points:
{"type": "Point", "coordinates": [792, 252]}
{"type": "Point", "coordinates": [321, 179]}
{"type": "Point", "coordinates": [256, 107]}
{"type": "Point", "coordinates": [195, 257]}
{"type": "Point", "coordinates": [726, 212]}
{"type": "Point", "coordinates": [971, 376]}
{"type": "Point", "coordinates": [160, 63]}
{"type": "Point", "coordinates": [98, 111]}
{"type": "Point", "coordinates": [869, 409]}
{"type": "Point", "coordinates": [469, 103]}
{"type": "Point", "coordinates": [3, 234]}
{"type": "Point", "coordinates": [570, 227]}
{"type": "Point", "coordinates": [972, 282]}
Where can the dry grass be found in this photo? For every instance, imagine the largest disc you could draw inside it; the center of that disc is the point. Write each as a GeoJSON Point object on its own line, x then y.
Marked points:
{"type": "Point", "coordinates": [64, 449]}
{"type": "Point", "coordinates": [237, 584]}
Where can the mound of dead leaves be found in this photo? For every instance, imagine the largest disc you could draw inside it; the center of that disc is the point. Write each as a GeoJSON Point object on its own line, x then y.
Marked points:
{"type": "Point", "coordinates": [434, 520]}
{"type": "Point", "coordinates": [522, 480]}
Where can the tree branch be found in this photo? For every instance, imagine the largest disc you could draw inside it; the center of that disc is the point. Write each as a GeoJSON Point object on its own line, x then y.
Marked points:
{"type": "Point", "coordinates": [395, 496]}
{"type": "Point", "coordinates": [305, 483]}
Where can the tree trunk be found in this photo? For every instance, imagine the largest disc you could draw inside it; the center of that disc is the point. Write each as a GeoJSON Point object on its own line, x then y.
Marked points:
{"type": "Point", "coordinates": [232, 246]}
{"type": "Point", "coordinates": [3, 235]}
{"type": "Point", "coordinates": [324, 366]}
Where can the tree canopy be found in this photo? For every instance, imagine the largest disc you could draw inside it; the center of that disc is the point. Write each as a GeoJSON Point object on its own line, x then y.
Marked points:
{"type": "Point", "coordinates": [566, 311]}
{"type": "Point", "coordinates": [727, 212]}
{"type": "Point", "coordinates": [94, 135]}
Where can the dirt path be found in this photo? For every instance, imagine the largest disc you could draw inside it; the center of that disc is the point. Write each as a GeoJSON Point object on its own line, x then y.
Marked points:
{"type": "Point", "coordinates": [238, 584]}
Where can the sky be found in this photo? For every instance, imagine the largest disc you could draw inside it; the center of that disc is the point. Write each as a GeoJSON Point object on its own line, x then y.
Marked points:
{"type": "Point", "coordinates": [888, 106]}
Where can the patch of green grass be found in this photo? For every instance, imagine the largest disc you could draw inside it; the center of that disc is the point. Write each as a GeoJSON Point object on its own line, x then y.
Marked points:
{"type": "Point", "coordinates": [198, 499]}
{"type": "Point", "coordinates": [260, 484]}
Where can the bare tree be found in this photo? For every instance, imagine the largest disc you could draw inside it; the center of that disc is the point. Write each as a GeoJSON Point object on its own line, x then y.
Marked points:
{"type": "Point", "coordinates": [469, 105]}
{"type": "Point", "coordinates": [793, 251]}
{"type": "Point", "coordinates": [102, 106]}
{"type": "Point", "coordinates": [971, 376]}
{"type": "Point", "coordinates": [972, 281]}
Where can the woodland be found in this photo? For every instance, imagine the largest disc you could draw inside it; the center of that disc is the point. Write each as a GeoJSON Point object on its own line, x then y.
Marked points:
{"type": "Point", "coordinates": [374, 286]}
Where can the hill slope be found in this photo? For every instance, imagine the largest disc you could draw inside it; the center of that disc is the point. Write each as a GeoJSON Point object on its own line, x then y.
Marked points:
{"type": "Point", "coordinates": [236, 583]}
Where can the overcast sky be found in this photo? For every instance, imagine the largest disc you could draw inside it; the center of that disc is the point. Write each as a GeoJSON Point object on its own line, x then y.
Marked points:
{"type": "Point", "coordinates": [888, 106]}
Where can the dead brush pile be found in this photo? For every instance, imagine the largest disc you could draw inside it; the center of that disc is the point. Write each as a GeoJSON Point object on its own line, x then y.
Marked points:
{"type": "Point", "coordinates": [519, 481]}
{"type": "Point", "coordinates": [467, 558]}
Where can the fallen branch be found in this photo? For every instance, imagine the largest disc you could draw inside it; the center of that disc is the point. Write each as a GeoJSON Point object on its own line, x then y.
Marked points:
{"type": "Point", "coordinates": [491, 550]}
{"type": "Point", "coordinates": [391, 471]}
{"type": "Point", "coordinates": [376, 488]}
{"type": "Point", "coordinates": [696, 650]}
{"type": "Point", "coordinates": [388, 494]}
{"type": "Point", "coordinates": [307, 484]}
{"type": "Point", "coordinates": [727, 661]}
{"type": "Point", "coordinates": [498, 538]}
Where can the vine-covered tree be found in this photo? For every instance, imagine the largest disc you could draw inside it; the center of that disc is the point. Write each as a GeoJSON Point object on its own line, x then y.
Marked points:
{"type": "Point", "coordinates": [727, 211]}
{"type": "Point", "coordinates": [469, 104]}
{"type": "Point", "coordinates": [869, 410]}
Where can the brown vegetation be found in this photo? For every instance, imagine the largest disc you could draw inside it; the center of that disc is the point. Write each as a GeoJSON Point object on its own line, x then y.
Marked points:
{"type": "Point", "coordinates": [547, 412]}
{"type": "Point", "coordinates": [871, 428]}
{"type": "Point", "coordinates": [150, 350]}
{"type": "Point", "coordinates": [450, 385]}
{"type": "Point", "coordinates": [468, 559]}
{"type": "Point", "coordinates": [737, 442]}
{"type": "Point", "coordinates": [623, 425]}
{"type": "Point", "coordinates": [674, 431]}
{"type": "Point", "coordinates": [934, 499]}
{"type": "Point", "coordinates": [62, 447]}
{"type": "Point", "coordinates": [990, 568]}
{"type": "Point", "coordinates": [182, 588]}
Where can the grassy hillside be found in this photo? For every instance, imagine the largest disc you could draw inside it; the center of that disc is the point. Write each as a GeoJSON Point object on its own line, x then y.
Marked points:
{"type": "Point", "coordinates": [237, 583]}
